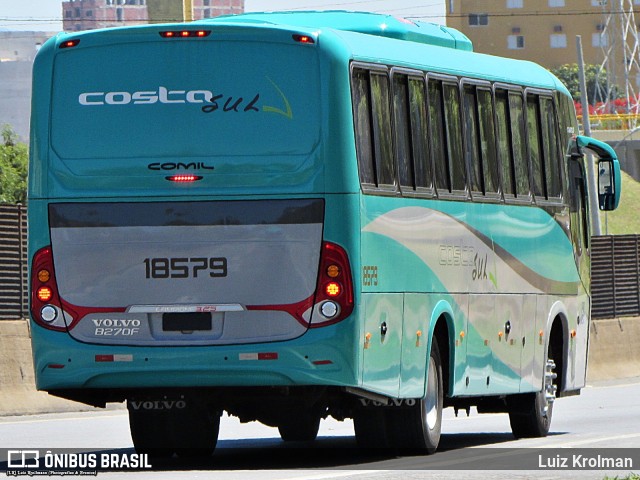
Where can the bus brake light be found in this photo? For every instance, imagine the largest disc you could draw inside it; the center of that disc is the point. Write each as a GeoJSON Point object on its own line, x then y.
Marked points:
{"type": "Point", "coordinates": [184, 178]}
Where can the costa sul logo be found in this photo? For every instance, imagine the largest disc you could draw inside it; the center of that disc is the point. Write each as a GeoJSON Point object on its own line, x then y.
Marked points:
{"type": "Point", "coordinates": [209, 100]}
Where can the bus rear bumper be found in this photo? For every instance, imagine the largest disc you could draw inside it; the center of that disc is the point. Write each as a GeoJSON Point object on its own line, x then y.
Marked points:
{"type": "Point", "coordinates": [64, 363]}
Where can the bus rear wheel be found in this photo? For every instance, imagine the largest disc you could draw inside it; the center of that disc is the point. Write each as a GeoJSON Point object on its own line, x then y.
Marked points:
{"type": "Point", "coordinates": [191, 432]}
{"type": "Point", "coordinates": [418, 427]}
{"type": "Point", "coordinates": [530, 413]}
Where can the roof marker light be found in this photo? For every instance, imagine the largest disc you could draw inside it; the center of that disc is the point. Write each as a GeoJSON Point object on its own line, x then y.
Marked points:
{"type": "Point", "coordinates": [304, 39]}
{"type": "Point", "coordinates": [70, 43]}
{"type": "Point", "coordinates": [185, 33]}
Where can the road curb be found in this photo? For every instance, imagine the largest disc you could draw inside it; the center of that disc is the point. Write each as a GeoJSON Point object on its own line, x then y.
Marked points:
{"type": "Point", "coordinates": [614, 349]}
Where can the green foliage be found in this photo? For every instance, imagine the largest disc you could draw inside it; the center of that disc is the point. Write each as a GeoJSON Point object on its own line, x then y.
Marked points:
{"type": "Point", "coordinates": [625, 219]}
{"type": "Point", "coordinates": [631, 476]}
{"type": "Point", "coordinates": [14, 160]}
{"type": "Point", "coordinates": [569, 75]}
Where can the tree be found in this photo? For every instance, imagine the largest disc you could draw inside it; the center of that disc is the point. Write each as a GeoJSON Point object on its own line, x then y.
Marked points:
{"type": "Point", "coordinates": [14, 161]}
{"type": "Point", "coordinates": [569, 75]}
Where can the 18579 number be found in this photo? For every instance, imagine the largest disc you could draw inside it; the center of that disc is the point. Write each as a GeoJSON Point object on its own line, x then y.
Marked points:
{"type": "Point", "coordinates": [214, 267]}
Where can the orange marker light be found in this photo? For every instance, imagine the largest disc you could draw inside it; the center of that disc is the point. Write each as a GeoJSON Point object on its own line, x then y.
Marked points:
{"type": "Point", "coordinates": [333, 271]}
{"type": "Point", "coordinates": [44, 276]}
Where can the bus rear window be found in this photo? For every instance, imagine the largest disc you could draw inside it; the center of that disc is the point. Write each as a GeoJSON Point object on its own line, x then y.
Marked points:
{"type": "Point", "coordinates": [185, 99]}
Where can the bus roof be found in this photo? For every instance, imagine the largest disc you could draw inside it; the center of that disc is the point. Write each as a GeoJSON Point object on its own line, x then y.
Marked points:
{"type": "Point", "coordinates": [381, 25]}
{"type": "Point", "coordinates": [421, 50]}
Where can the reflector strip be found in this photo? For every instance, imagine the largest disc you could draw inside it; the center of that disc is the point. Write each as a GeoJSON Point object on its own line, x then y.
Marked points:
{"type": "Point", "coordinates": [56, 365]}
{"type": "Point", "coordinates": [258, 356]}
{"type": "Point", "coordinates": [322, 362]}
{"type": "Point", "coordinates": [114, 358]}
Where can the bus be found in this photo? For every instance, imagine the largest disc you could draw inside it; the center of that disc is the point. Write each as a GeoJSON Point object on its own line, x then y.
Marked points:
{"type": "Point", "coordinates": [295, 215]}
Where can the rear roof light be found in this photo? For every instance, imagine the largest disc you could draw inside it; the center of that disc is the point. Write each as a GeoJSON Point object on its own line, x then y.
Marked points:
{"type": "Point", "coordinates": [70, 43]}
{"type": "Point", "coordinates": [304, 39]}
{"type": "Point", "coordinates": [185, 33]}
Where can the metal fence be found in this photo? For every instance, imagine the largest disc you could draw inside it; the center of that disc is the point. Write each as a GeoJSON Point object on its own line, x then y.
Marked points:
{"type": "Point", "coordinates": [615, 276]}
{"type": "Point", "coordinates": [615, 270]}
{"type": "Point", "coordinates": [13, 262]}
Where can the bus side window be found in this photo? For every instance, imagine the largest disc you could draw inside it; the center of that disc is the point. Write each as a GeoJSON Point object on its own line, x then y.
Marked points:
{"type": "Point", "coordinates": [437, 135]}
{"type": "Point", "coordinates": [504, 144]}
{"type": "Point", "coordinates": [472, 147]}
{"type": "Point", "coordinates": [535, 147]}
{"type": "Point", "coordinates": [382, 134]}
{"type": "Point", "coordinates": [419, 133]}
{"type": "Point", "coordinates": [516, 115]}
{"type": "Point", "coordinates": [453, 123]}
{"type": "Point", "coordinates": [487, 141]}
{"type": "Point", "coordinates": [362, 120]}
{"type": "Point", "coordinates": [552, 156]}
{"type": "Point", "coordinates": [404, 147]}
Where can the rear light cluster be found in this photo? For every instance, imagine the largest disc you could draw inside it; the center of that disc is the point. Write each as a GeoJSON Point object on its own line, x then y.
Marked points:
{"type": "Point", "coordinates": [334, 294]}
{"type": "Point", "coordinates": [46, 308]}
{"type": "Point", "coordinates": [185, 33]}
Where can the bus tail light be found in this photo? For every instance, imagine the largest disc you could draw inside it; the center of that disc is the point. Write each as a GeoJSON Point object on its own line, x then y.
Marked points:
{"type": "Point", "coordinates": [46, 308]}
{"type": "Point", "coordinates": [334, 293]}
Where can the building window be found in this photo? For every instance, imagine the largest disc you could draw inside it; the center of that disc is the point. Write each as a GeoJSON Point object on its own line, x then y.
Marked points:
{"type": "Point", "coordinates": [515, 42]}
{"type": "Point", "coordinates": [556, 3]}
{"type": "Point", "coordinates": [119, 15]}
{"type": "Point", "coordinates": [68, 13]}
{"type": "Point", "coordinates": [206, 13]}
{"type": "Point", "coordinates": [558, 40]}
{"type": "Point", "coordinates": [89, 13]}
{"type": "Point", "coordinates": [478, 19]}
{"type": "Point", "coordinates": [77, 12]}
{"type": "Point", "coordinates": [514, 3]}
{"type": "Point", "coordinates": [206, 3]}
{"type": "Point", "coordinates": [598, 40]}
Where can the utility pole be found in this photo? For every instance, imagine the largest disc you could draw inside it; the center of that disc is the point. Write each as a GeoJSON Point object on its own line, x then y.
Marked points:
{"type": "Point", "coordinates": [596, 229]}
{"type": "Point", "coordinates": [187, 9]}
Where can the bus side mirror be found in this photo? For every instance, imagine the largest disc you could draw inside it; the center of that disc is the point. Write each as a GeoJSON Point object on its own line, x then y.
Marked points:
{"type": "Point", "coordinates": [606, 185]}
{"type": "Point", "coordinates": [609, 177]}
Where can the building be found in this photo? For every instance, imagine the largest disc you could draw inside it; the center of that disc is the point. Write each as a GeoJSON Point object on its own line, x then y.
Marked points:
{"type": "Point", "coordinates": [90, 14]}
{"type": "Point", "coordinates": [17, 51]}
{"type": "Point", "coordinates": [543, 31]}
{"type": "Point", "coordinates": [215, 8]}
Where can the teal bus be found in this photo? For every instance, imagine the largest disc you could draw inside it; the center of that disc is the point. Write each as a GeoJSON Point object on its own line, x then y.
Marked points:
{"type": "Point", "coordinates": [296, 215]}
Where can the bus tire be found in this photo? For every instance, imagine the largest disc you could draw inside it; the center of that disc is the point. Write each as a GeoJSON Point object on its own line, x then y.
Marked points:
{"type": "Point", "coordinates": [300, 428]}
{"type": "Point", "coordinates": [530, 413]}
{"type": "Point", "coordinates": [192, 432]}
{"type": "Point", "coordinates": [418, 427]}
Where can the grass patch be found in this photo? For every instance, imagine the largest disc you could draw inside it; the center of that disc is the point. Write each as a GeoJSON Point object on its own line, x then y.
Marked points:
{"type": "Point", "coordinates": [625, 220]}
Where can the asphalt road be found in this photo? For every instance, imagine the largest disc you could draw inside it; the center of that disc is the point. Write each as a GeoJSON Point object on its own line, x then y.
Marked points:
{"type": "Point", "coordinates": [604, 420]}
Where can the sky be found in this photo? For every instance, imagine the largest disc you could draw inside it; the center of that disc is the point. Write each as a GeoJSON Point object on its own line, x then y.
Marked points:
{"type": "Point", "coordinates": [46, 15]}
